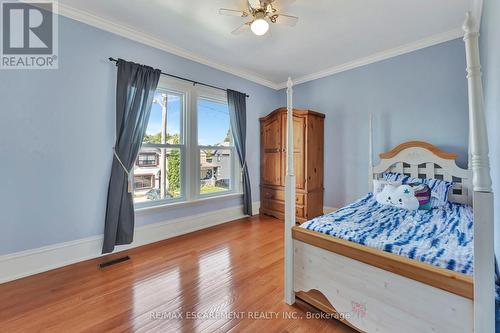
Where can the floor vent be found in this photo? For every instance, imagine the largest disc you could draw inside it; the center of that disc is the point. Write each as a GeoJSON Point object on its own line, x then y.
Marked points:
{"type": "Point", "coordinates": [114, 261]}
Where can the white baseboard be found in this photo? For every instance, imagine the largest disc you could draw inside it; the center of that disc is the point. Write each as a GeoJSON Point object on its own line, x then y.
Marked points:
{"type": "Point", "coordinates": [328, 209]}
{"type": "Point", "coordinates": [21, 264]}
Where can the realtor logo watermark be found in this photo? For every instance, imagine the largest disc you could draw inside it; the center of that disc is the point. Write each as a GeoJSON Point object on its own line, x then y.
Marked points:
{"type": "Point", "coordinates": [29, 35]}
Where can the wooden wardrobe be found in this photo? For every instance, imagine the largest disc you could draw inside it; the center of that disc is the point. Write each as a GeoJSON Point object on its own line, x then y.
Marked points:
{"type": "Point", "coordinates": [308, 133]}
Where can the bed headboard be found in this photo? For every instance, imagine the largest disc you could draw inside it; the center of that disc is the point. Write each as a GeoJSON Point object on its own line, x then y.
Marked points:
{"type": "Point", "coordinates": [420, 159]}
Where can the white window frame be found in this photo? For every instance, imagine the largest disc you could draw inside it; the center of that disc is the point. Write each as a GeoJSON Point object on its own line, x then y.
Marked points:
{"type": "Point", "coordinates": [190, 151]}
{"type": "Point", "coordinates": [218, 96]}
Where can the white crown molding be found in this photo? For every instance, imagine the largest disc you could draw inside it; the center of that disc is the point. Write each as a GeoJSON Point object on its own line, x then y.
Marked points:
{"type": "Point", "coordinates": [379, 56]}
{"type": "Point", "coordinates": [130, 33]}
{"type": "Point", "coordinates": [21, 264]}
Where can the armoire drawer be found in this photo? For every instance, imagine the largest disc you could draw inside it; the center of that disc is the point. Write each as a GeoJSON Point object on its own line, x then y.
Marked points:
{"type": "Point", "coordinates": [299, 199]}
{"type": "Point", "coordinates": [279, 207]}
{"type": "Point", "coordinates": [268, 193]}
{"type": "Point", "coordinates": [274, 205]}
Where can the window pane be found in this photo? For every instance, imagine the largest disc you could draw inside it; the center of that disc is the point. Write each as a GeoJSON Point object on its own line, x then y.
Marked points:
{"type": "Point", "coordinates": [215, 170]}
{"type": "Point", "coordinates": [165, 111]}
{"type": "Point", "coordinates": [152, 163]}
{"type": "Point", "coordinates": [147, 159]}
{"type": "Point", "coordinates": [213, 123]}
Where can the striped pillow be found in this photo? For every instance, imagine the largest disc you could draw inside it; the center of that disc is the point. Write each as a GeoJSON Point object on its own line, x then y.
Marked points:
{"type": "Point", "coordinates": [439, 188]}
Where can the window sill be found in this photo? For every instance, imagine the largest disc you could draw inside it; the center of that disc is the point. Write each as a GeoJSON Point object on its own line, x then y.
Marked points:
{"type": "Point", "coordinates": [189, 203]}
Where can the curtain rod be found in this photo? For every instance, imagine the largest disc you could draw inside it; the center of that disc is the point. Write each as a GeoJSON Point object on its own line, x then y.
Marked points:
{"type": "Point", "coordinates": [184, 79]}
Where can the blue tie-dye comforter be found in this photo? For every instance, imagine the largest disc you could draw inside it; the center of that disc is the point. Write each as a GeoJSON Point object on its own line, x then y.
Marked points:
{"type": "Point", "coordinates": [441, 237]}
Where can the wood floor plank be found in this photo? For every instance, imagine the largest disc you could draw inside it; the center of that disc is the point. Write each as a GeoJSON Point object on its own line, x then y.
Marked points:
{"type": "Point", "coordinates": [231, 273]}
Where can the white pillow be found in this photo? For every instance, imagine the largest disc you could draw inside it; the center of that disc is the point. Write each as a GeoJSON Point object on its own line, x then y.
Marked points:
{"type": "Point", "coordinates": [378, 185]}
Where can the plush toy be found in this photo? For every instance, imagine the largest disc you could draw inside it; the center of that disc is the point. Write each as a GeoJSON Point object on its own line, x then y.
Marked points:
{"type": "Point", "coordinates": [401, 196]}
{"type": "Point", "coordinates": [404, 197]}
{"type": "Point", "coordinates": [379, 184]}
{"type": "Point", "coordinates": [384, 197]}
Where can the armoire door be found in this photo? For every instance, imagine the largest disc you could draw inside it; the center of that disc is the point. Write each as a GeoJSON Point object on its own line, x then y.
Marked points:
{"type": "Point", "coordinates": [299, 127]}
{"type": "Point", "coordinates": [271, 137]}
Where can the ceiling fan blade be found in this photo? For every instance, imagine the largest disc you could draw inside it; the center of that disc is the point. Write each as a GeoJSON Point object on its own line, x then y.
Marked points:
{"type": "Point", "coordinates": [254, 4]}
{"type": "Point", "coordinates": [232, 12]}
{"type": "Point", "coordinates": [242, 28]}
{"type": "Point", "coordinates": [289, 20]}
{"type": "Point", "coordinates": [283, 3]}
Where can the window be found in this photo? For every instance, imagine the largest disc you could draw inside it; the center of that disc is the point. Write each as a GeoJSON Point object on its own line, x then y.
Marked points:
{"type": "Point", "coordinates": [187, 152]}
{"type": "Point", "coordinates": [143, 182]}
{"type": "Point", "coordinates": [162, 150]}
{"type": "Point", "coordinates": [215, 174]}
{"type": "Point", "coordinates": [147, 159]}
{"type": "Point", "coordinates": [215, 146]}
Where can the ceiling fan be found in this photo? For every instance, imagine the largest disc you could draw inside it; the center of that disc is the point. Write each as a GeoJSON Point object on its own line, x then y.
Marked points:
{"type": "Point", "coordinates": [260, 13]}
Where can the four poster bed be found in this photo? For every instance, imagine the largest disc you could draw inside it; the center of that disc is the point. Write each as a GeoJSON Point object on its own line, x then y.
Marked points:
{"type": "Point", "coordinates": [374, 290]}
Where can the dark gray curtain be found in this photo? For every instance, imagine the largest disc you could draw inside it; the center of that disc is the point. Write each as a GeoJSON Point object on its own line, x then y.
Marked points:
{"type": "Point", "coordinates": [238, 115]}
{"type": "Point", "coordinates": [135, 88]}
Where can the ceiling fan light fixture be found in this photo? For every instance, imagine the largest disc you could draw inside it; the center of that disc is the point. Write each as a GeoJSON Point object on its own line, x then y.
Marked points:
{"type": "Point", "coordinates": [259, 26]}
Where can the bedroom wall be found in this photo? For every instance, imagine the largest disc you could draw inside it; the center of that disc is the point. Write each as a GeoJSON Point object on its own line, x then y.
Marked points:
{"type": "Point", "coordinates": [57, 131]}
{"type": "Point", "coordinates": [490, 61]}
{"type": "Point", "coordinates": [419, 95]}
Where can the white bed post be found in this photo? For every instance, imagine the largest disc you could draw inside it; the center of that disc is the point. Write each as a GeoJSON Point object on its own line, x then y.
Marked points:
{"type": "Point", "coordinates": [370, 153]}
{"type": "Point", "coordinates": [289, 198]}
{"type": "Point", "coordinates": [484, 289]}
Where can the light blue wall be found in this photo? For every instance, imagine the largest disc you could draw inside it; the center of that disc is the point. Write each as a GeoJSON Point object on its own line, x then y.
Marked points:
{"type": "Point", "coordinates": [490, 61]}
{"type": "Point", "coordinates": [420, 95]}
{"type": "Point", "coordinates": [57, 130]}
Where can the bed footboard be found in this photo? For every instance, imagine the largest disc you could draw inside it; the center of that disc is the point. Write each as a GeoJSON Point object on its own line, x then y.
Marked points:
{"type": "Point", "coordinates": [371, 299]}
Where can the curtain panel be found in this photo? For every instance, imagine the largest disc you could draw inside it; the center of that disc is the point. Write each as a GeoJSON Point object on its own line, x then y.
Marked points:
{"type": "Point", "coordinates": [135, 89]}
{"type": "Point", "coordinates": [238, 116]}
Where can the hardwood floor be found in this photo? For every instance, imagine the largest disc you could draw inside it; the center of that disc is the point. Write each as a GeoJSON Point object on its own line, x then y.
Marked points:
{"type": "Point", "coordinates": [234, 269]}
